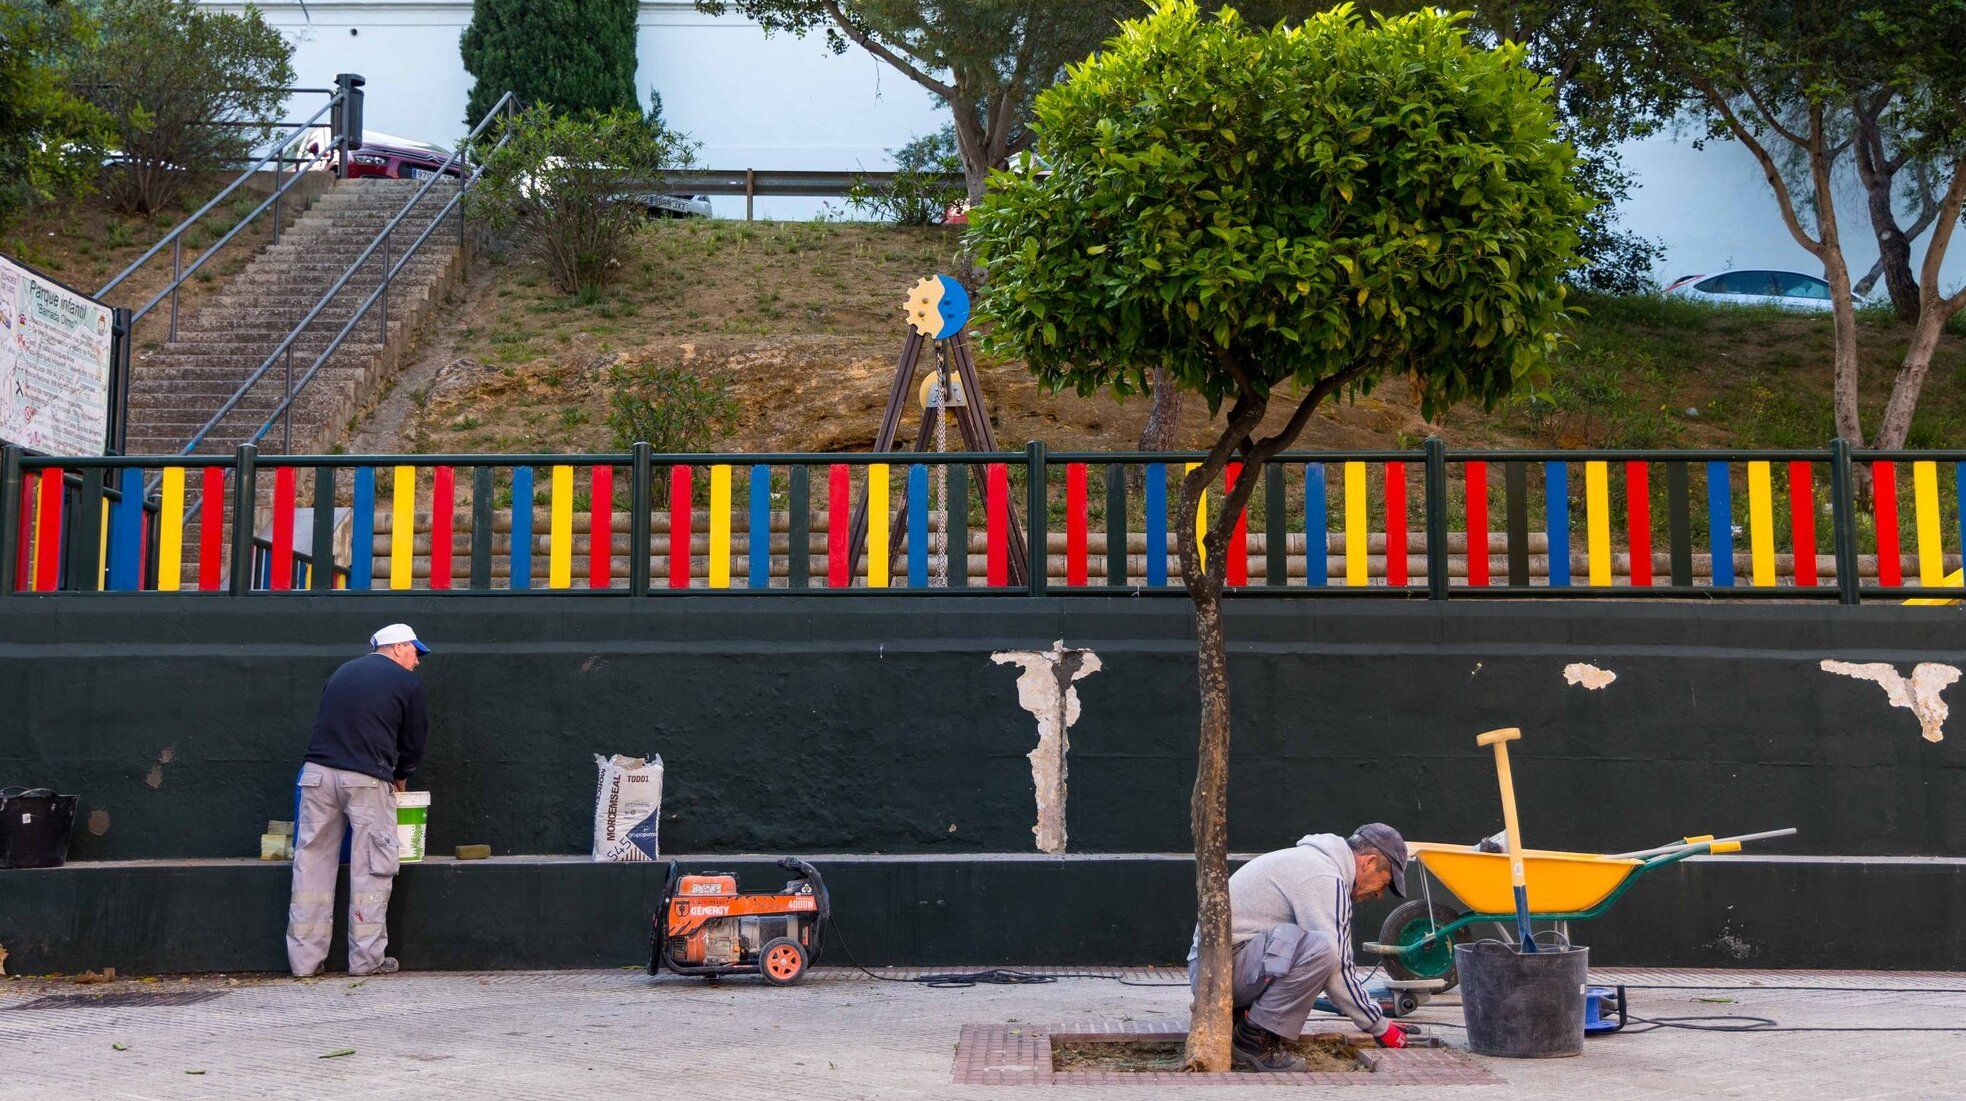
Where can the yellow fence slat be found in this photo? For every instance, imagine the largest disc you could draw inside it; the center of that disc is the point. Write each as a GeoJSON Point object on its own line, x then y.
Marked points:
{"type": "Point", "coordinates": [720, 526]}
{"type": "Point", "coordinates": [1931, 548]}
{"type": "Point", "coordinates": [559, 568]}
{"type": "Point", "coordinates": [1761, 524]}
{"type": "Point", "coordinates": [1201, 523]}
{"type": "Point", "coordinates": [170, 530]}
{"type": "Point", "coordinates": [1356, 542]}
{"type": "Point", "coordinates": [402, 527]}
{"type": "Point", "coordinates": [877, 526]}
{"type": "Point", "coordinates": [1597, 520]}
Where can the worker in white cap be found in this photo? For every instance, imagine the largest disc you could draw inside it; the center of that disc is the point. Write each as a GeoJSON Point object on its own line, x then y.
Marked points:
{"type": "Point", "coordinates": [368, 739]}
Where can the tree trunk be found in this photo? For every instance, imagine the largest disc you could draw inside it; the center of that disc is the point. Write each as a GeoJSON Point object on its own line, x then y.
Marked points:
{"type": "Point", "coordinates": [1891, 431]}
{"type": "Point", "coordinates": [1163, 415]}
{"type": "Point", "coordinates": [972, 143]}
{"type": "Point", "coordinates": [1210, 1018]}
{"type": "Point", "coordinates": [1893, 246]}
{"type": "Point", "coordinates": [1836, 270]}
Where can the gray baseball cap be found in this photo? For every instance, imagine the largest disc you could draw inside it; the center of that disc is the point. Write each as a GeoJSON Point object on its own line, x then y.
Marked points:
{"type": "Point", "coordinates": [1383, 839]}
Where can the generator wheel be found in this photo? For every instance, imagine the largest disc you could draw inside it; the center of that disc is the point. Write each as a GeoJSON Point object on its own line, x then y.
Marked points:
{"type": "Point", "coordinates": [782, 962]}
{"type": "Point", "coordinates": [1410, 923]}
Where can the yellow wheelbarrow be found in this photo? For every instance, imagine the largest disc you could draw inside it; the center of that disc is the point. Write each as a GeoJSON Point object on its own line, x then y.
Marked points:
{"type": "Point", "coordinates": [1417, 940]}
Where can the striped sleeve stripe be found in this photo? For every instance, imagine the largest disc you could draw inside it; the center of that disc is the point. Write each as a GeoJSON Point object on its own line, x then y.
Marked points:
{"type": "Point", "coordinates": [1345, 957]}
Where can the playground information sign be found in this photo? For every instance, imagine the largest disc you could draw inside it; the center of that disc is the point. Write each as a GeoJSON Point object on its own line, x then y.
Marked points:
{"type": "Point", "coordinates": [54, 365]}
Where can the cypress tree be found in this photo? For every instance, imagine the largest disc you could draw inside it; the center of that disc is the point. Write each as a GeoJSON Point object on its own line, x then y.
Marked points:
{"type": "Point", "coordinates": [571, 55]}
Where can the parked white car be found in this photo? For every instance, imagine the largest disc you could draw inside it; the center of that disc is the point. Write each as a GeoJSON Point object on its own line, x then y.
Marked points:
{"type": "Point", "coordinates": [1789, 290]}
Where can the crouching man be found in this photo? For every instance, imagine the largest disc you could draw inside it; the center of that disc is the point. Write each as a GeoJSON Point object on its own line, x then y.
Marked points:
{"type": "Point", "coordinates": [1291, 920]}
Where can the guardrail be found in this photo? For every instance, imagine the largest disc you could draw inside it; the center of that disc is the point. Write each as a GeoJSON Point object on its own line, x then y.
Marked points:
{"type": "Point", "coordinates": [753, 182]}
{"type": "Point", "coordinates": [1423, 523]}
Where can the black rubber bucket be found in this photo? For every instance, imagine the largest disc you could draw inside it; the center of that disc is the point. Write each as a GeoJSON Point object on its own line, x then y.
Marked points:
{"type": "Point", "coordinates": [34, 827]}
{"type": "Point", "coordinates": [1522, 1005]}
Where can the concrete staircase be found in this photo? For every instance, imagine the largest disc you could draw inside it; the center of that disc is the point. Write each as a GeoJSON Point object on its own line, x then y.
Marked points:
{"type": "Point", "coordinates": [177, 388]}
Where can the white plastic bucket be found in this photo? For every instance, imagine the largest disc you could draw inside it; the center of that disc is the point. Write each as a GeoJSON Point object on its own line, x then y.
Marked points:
{"type": "Point", "coordinates": [412, 820]}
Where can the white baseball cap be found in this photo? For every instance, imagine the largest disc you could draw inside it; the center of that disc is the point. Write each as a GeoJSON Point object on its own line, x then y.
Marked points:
{"type": "Point", "coordinates": [395, 633]}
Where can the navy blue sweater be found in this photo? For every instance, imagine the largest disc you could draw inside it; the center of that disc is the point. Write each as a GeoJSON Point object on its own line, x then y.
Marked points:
{"type": "Point", "coordinates": [372, 720]}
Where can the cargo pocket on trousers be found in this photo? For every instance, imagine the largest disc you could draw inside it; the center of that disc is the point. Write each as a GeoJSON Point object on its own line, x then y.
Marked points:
{"type": "Point", "coordinates": [1280, 948]}
{"type": "Point", "coordinates": [383, 856]}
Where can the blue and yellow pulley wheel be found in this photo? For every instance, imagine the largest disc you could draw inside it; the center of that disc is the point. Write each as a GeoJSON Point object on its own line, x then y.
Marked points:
{"type": "Point", "coordinates": [938, 307]}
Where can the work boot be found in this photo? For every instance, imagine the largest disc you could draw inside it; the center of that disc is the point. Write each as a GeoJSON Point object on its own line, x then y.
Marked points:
{"type": "Point", "coordinates": [388, 966]}
{"type": "Point", "coordinates": [1253, 1047]}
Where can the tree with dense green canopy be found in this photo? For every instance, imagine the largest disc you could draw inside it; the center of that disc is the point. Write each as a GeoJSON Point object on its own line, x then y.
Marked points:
{"type": "Point", "coordinates": [180, 83]}
{"type": "Point", "coordinates": [49, 136]}
{"type": "Point", "coordinates": [1278, 216]}
{"type": "Point", "coordinates": [571, 55]}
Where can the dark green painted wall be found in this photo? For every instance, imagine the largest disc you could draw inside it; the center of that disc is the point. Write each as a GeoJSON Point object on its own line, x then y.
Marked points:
{"type": "Point", "coordinates": [868, 724]}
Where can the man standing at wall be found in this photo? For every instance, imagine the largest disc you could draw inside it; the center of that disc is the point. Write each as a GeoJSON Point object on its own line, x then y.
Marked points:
{"type": "Point", "coordinates": [368, 739]}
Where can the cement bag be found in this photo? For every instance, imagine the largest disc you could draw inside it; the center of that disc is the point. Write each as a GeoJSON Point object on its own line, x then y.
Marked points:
{"type": "Point", "coordinates": [627, 808]}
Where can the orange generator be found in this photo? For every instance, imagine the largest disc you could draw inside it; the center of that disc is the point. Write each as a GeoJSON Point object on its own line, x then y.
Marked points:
{"type": "Point", "coordinates": [704, 925]}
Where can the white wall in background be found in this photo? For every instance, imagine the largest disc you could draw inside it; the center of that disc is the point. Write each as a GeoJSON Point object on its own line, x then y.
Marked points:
{"type": "Point", "coordinates": [783, 102]}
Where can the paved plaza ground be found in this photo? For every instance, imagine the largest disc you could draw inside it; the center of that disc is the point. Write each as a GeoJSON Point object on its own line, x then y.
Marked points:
{"type": "Point", "coordinates": [840, 1034]}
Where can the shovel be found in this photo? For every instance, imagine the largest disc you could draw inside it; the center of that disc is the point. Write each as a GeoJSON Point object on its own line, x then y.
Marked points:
{"type": "Point", "coordinates": [1500, 739]}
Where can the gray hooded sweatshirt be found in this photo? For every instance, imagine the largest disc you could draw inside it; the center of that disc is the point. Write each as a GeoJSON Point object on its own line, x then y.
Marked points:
{"type": "Point", "coordinates": [1308, 885]}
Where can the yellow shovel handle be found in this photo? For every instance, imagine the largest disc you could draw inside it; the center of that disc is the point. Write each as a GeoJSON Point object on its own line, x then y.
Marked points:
{"type": "Point", "coordinates": [1500, 740]}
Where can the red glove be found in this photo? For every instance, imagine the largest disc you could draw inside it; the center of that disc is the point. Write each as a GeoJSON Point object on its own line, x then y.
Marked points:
{"type": "Point", "coordinates": [1394, 1036]}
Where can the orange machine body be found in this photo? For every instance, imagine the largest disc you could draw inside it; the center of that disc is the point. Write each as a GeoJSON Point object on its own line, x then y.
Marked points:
{"type": "Point", "coordinates": [706, 926]}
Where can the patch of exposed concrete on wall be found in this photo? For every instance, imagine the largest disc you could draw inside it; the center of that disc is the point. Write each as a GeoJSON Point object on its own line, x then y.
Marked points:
{"type": "Point", "coordinates": [1590, 676]}
{"type": "Point", "coordinates": [1921, 695]}
{"type": "Point", "coordinates": [1045, 690]}
{"type": "Point", "coordinates": [98, 821]}
{"type": "Point", "coordinates": [155, 777]}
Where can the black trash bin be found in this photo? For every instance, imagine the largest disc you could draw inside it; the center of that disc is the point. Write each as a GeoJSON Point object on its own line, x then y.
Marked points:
{"type": "Point", "coordinates": [34, 827]}
{"type": "Point", "coordinates": [1523, 1005]}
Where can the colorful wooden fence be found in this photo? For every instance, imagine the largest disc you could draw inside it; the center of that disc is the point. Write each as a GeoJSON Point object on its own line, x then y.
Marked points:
{"type": "Point", "coordinates": [1795, 525]}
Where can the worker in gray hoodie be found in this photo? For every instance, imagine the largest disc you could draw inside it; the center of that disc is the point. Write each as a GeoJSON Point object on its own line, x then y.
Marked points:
{"type": "Point", "coordinates": [1291, 922]}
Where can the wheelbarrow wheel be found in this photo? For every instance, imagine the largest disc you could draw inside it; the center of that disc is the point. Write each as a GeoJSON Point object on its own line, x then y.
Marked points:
{"type": "Point", "coordinates": [1409, 924]}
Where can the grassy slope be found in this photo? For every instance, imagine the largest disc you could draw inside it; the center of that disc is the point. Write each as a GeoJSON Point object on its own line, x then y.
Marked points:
{"type": "Point", "coordinates": [803, 323]}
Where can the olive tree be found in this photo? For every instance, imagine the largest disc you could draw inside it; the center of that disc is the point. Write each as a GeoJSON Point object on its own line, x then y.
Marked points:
{"type": "Point", "coordinates": [1278, 217]}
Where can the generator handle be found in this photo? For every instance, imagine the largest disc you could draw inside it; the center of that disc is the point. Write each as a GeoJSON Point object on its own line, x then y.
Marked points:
{"type": "Point", "coordinates": [801, 868]}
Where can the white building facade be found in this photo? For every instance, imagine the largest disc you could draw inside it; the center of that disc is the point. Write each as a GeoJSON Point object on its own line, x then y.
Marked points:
{"type": "Point", "coordinates": [786, 103]}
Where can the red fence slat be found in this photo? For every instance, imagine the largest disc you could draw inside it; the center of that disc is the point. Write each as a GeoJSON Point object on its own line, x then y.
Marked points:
{"type": "Point", "coordinates": [1238, 572]}
{"type": "Point", "coordinates": [211, 526]}
{"type": "Point", "coordinates": [1477, 523]}
{"type": "Point", "coordinates": [1638, 521]}
{"type": "Point", "coordinates": [600, 528]}
{"type": "Point", "coordinates": [30, 485]}
{"type": "Point", "coordinates": [443, 509]}
{"type": "Point", "coordinates": [1802, 520]}
{"type": "Point", "coordinates": [679, 527]}
{"type": "Point", "coordinates": [1396, 524]}
{"type": "Point", "coordinates": [996, 524]}
{"type": "Point", "coordinates": [839, 494]}
{"type": "Point", "coordinates": [47, 568]}
{"type": "Point", "coordinates": [281, 575]}
{"type": "Point", "coordinates": [1884, 477]}
{"type": "Point", "coordinates": [1075, 522]}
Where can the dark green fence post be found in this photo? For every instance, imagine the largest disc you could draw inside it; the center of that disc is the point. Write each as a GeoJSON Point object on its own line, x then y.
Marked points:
{"type": "Point", "coordinates": [1843, 513]}
{"type": "Point", "coordinates": [1436, 460]}
{"type": "Point", "coordinates": [244, 496]}
{"type": "Point", "coordinates": [1037, 559]}
{"type": "Point", "coordinates": [640, 479]}
{"type": "Point", "coordinates": [10, 533]}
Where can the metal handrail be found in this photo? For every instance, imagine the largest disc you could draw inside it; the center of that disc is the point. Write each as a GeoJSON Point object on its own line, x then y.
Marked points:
{"type": "Point", "coordinates": [285, 347]}
{"type": "Point", "coordinates": [278, 150]}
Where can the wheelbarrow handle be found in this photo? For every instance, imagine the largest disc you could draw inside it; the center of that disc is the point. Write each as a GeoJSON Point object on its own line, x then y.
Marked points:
{"type": "Point", "coordinates": [1734, 842]}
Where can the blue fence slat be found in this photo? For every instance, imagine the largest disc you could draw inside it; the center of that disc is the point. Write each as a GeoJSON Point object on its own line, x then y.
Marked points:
{"type": "Point", "coordinates": [126, 532]}
{"type": "Point", "coordinates": [918, 526]}
{"type": "Point", "coordinates": [1720, 523]}
{"type": "Point", "coordinates": [759, 576]}
{"type": "Point", "coordinates": [1556, 504]}
{"type": "Point", "coordinates": [521, 553]}
{"type": "Point", "coordinates": [1157, 525]}
{"type": "Point", "coordinates": [1316, 568]}
{"type": "Point", "coordinates": [361, 542]}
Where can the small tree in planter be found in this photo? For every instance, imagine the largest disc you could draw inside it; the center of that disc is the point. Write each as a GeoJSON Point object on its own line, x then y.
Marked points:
{"type": "Point", "coordinates": [1278, 215]}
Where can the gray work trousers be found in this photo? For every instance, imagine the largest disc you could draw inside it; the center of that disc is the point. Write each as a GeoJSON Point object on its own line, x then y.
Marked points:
{"type": "Point", "coordinates": [1279, 974]}
{"type": "Point", "coordinates": [331, 800]}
